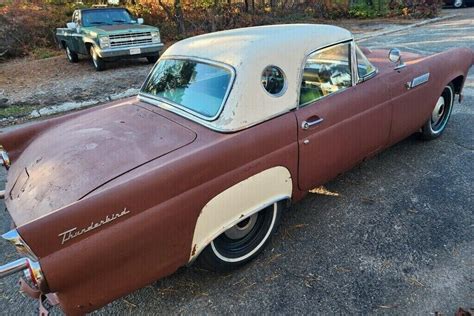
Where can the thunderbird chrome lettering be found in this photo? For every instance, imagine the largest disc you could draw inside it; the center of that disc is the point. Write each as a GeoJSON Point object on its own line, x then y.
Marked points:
{"type": "Point", "coordinates": [74, 232]}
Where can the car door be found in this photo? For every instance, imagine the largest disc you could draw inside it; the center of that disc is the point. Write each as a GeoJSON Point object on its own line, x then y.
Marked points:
{"type": "Point", "coordinates": [341, 119]}
{"type": "Point", "coordinates": [410, 90]}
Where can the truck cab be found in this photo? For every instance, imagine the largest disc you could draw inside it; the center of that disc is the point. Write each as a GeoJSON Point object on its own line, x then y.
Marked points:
{"type": "Point", "coordinates": [108, 34]}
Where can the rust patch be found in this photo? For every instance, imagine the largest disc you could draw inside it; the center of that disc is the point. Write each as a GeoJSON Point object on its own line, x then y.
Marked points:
{"type": "Point", "coordinates": [194, 250]}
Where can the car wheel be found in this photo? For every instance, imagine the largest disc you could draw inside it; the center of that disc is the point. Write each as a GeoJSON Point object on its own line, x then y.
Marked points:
{"type": "Point", "coordinates": [458, 4]}
{"type": "Point", "coordinates": [152, 59]}
{"type": "Point", "coordinates": [242, 242]}
{"type": "Point", "coordinates": [99, 63]}
{"type": "Point", "coordinates": [71, 56]}
{"type": "Point", "coordinates": [436, 124]}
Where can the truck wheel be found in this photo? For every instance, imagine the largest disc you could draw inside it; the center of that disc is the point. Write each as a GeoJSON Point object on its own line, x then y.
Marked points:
{"type": "Point", "coordinates": [436, 124]}
{"type": "Point", "coordinates": [152, 59]}
{"type": "Point", "coordinates": [99, 63]}
{"type": "Point", "coordinates": [242, 242]}
{"type": "Point", "coordinates": [71, 56]}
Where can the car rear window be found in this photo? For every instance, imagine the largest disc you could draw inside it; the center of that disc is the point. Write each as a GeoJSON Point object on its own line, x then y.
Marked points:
{"type": "Point", "coordinates": [194, 86]}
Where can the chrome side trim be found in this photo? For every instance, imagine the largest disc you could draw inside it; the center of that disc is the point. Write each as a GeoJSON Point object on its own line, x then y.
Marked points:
{"type": "Point", "coordinates": [418, 81]}
{"type": "Point", "coordinates": [20, 245]}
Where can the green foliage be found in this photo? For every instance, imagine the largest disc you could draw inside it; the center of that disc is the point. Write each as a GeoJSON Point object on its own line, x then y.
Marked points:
{"type": "Point", "coordinates": [364, 10]}
{"type": "Point", "coordinates": [28, 27]}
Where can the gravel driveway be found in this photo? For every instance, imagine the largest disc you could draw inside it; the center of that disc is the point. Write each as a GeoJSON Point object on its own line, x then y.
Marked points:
{"type": "Point", "coordinates": [398, 239]}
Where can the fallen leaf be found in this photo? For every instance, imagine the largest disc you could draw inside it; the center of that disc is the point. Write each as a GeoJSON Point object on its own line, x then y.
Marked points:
{"type": "Point", "coordinates": [323, 191]}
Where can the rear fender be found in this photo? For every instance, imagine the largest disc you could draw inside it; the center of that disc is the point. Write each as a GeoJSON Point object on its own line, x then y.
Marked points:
{"type": "Point", "coordinates": [238, 202]}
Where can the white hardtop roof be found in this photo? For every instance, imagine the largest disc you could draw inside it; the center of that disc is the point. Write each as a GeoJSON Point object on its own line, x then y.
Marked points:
{"type": "Point", "coordinates": [249, 51]}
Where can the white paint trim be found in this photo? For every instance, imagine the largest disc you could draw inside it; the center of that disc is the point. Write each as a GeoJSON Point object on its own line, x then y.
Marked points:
{"type": "Point", "coordinates": [239, 202]}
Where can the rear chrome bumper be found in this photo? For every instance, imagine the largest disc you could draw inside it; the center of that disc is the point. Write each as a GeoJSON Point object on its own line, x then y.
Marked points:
{"type": "Point", "coordinates": [4, 159]}
{"type": "Point", "coordinates": [14, 267]}
{"type": "Point", "coordinates": [29, 265]}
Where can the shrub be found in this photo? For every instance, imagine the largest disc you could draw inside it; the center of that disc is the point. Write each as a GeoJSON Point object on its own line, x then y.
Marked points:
{"type": "Point", "coordinates": [28, 26]}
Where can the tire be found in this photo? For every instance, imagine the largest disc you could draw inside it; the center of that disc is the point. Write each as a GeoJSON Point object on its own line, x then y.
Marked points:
{"type": "Point", "coordinates": [152, 59]}
{"type": "Point", "coordinates": [243, 242]}
{"type": "Point", "coordinates": [436, 124]}
{"type": "Point", "coordinates": [71, 56]}
{"type": "Point", "coordinates": [458, 4]}
{"type": "Point", "coordinates": [97, 62]}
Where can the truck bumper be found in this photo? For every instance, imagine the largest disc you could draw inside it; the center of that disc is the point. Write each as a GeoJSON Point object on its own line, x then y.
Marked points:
{"type": "Point", "coordinates": [147, 50]}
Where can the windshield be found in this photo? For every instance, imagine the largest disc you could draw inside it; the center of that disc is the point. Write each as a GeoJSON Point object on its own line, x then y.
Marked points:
{"type": "Point", "coordinates": [106, 17]}
{"type": "Point", "coordinates": [194, 86]}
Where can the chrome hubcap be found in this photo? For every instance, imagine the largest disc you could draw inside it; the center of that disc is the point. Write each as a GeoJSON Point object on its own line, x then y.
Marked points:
{"type": "Point", "coordinates": [242, 228]}
{"type": "Point", "coordinates": [438, 111]}
{"type": "Point", "coordinates": [458, 3]}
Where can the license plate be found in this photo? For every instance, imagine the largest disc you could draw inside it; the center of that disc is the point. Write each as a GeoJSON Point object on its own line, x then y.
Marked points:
{"type": "Point", "coordinates": [135, 51]}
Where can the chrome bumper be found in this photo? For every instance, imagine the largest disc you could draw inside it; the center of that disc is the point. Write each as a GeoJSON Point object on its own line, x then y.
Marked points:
{"type": "Point", "coordinates": [125, 51]}
{"type": "Point", "coordinates": [29, 265]}
{"type": "Point", "coordinates": [14, 267]}
{"type": "Point", "coordinates": [4, 159]}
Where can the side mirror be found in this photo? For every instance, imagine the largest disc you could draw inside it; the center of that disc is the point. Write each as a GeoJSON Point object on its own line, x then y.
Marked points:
{"type": "Point", "coordinates": [140, 21]}
{"type": "Point", "coordinates": [395, 57]}
{"type": "Point", "coordinates": [71, 25]}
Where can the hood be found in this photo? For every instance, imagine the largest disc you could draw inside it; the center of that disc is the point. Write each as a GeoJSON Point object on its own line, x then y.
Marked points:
{"type": "Point", "coordinates": [68, 161]}
{"type": "Point", "coordinates": [120, 29]}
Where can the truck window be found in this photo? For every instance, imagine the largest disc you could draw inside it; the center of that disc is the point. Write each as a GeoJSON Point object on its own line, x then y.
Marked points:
{"type": "Point", "coordinates": [106, 17]}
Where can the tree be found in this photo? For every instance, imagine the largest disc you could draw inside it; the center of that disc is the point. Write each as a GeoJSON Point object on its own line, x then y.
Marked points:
{"type": "Point", "coordinates": [175, 14]}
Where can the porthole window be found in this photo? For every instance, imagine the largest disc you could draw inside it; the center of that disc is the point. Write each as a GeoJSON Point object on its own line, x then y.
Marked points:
{"type": "Point", "coordinates": [273, 80]}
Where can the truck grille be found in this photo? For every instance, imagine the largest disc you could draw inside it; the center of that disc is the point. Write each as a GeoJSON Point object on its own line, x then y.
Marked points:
{"type": "Point", "coordinates": [130, 39]}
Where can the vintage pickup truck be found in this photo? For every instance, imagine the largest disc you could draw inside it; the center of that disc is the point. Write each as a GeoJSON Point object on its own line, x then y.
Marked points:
{"type": "Point", "coordinates": [228, 128]}
{"type": "Point", "coordinates": [108, 33]}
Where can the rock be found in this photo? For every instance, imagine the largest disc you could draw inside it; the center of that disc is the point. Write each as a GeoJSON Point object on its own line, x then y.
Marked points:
{"type": "Point", "coordinates": [3, 103]}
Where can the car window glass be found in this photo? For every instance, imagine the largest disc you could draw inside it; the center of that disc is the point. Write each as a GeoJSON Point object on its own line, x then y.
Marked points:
{"type": "Point", "coordinates": [273, 80]}
{"type": "Point", "coordinates": [364, 67]}
{"type": "Point", "coordinates": [325, 72]}
{"type": "Point", "coordinates": [195, 86]}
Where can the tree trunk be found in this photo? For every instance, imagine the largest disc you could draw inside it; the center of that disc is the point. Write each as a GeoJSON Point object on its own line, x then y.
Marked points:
{"type": "Point", "coordinates": [176, 16]}
{"type": "Point", "coordinates": [178, 12]}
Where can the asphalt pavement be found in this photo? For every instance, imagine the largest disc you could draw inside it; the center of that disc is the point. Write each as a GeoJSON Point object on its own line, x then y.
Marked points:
{"type": "Point", "coordinates": [397, 240]}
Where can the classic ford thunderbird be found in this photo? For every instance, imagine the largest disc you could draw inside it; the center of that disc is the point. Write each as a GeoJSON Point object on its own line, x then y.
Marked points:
{"type": "Point", "coordinates": [228, 129]}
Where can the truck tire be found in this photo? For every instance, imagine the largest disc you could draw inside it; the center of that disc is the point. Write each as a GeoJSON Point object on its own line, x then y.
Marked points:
{"type": "Point", "coordinates": [71, 56]}
{"type": "Point", "coordinates": [152, 59]}
{"type": "Point", "coordinates": [97, 62]}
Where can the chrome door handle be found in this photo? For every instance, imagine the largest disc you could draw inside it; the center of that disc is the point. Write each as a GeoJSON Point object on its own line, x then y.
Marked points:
{"type": "Point", "coordinates": [308, 124]}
